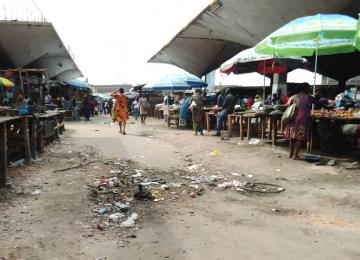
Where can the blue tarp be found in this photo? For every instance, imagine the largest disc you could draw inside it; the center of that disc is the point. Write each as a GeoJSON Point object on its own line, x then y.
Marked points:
{"type": "Point", "coordinates": [78, 84]}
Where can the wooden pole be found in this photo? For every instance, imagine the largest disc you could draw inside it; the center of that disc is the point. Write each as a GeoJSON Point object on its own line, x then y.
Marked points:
{"type": "Point", "coordinates": [33, 137]}
{"type": "Point", "coordinates": [28, 85]}
{"type": "Point", "coordinates": [3, 155]}
{"type": "Point", "coordinates": [21, 83]}
{"type": "Point", "coordinates": [25, 133]}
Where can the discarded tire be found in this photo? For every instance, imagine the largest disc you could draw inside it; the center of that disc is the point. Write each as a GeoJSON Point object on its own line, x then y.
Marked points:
{"type": "Point", "coordinates": [262, 187]}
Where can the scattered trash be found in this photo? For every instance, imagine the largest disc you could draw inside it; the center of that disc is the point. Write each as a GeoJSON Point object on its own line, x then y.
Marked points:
{"type": "Point", "coordinates": [106, 183]}
{"type": "Point", "coordinates": [142, 193]}
{"type": "Point", "coordinates": [275, 210]}
{"type": "Point", "coordinates": [193, 167]}
{"type": "Point", "coordinates": [18, 163]}
{"type": "Point", "coordinates": [115, 172]}
{"type": "Point", "coordinates": [225, 138]}
{"type": "Point", "coordinates": [193, 195]}
{"type": "Point", "coordinates": [116, 216]}
{"type": "Point", "coordinates": [331, 163]}
{"type": "Point", "coordinates": [102, 226]}
{"type": "Point", "coordinates": [233, 184]}
{"type": "Point", "coordinates": [250, 176]}
{"type": "Point", "coordinates": [262, 187]}
{"type": "Point", "coordinates": [153, 181]}
{"type": "Point", "coordinates": [130, 221]}
{"type": "Point", "coordinates": [122, 206]}
{"type": "Point", "coordinates": [235, 174]}
{"type": "Point", "coordinates": [101, 210]}
{"type": "Point", "coordinates": [215, 153]}
{"type": "Point", "coordinates": [254, 141]}
{"type": "Point", "coordinates": [353, 166]}
{"type": "Point", "coordinates": [139, 173]}
{"type": "Point", "coordinates": [312, 158]}
{"type": "Point", "coordinates": [202, 179]}
{"type": "Point", "coordinates": [74, 167]}
{"type": "Point", "coordinates": [36, 192]}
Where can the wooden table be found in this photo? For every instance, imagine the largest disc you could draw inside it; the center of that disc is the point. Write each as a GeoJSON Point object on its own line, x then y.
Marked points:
{"type": "Point", "coordinates": [273, 132]}
{"type": "Point", "coordinates": [211, 112]}
{"type": "Point", "coordinates": [340, 121]}
{"type": "Point", "coordinates": [234, 116]}
{"type": "Point", "coordinates": [4, 121]}
{"type": "Point", "coordinates": [246, 119]}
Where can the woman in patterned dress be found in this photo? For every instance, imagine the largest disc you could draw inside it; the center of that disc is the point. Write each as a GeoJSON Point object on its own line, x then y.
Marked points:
{"type": "Point", "coordinates": [121, 109]}
{"type": "Point", "coordinates": [297, 129]}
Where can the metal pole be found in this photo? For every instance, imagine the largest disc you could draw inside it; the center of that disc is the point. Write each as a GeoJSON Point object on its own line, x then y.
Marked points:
{"type": "Point", "coordinates": [264, 81]}
{"type": "Point", "coordinates": [315, 71]}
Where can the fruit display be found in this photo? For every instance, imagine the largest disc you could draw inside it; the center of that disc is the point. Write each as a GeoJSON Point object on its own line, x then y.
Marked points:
{"type": "Point", "coordinates": [322, 113]}
{"type": "Point", "coordinates": [344, 114]}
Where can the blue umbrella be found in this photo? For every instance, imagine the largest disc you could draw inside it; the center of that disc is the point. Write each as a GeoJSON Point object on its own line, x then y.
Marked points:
{"type": "Point", "coordinates": [179, 82]}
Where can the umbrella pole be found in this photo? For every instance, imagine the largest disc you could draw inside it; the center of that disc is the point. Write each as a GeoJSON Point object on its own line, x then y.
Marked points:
{"type": "Point", "coordinates": [315, 71]}
{"type": "Point", "coordinates": [264, 81]}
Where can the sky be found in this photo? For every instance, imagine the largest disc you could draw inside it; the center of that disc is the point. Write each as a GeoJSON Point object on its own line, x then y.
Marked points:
{"type": "Point", "coordinates": [112, 40]}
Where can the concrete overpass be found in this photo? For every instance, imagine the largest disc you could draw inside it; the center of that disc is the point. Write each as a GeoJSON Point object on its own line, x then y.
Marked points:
{"type": "Point", "coordinates": [226, 27]}
{"type": "Point", "coordinates": [36, 45]}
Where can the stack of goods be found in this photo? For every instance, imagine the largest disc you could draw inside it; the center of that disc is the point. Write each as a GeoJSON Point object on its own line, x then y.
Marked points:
{"type": "Point", "coordinates": [344, 114]}
{"type": "Point", "coordinates": [322, 113]}
{"type": "Point", "coordinates": [341, 113]}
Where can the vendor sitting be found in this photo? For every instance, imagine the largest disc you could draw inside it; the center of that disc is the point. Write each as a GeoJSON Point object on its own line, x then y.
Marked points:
{"type": "Point", "coordinates": [228, 108]}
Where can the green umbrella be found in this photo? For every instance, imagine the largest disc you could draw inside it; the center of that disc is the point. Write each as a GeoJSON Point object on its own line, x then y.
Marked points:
{"type": "Point", "coordinates": [357, 41]}
{"type": "Point", "coordinates": [322, 34]}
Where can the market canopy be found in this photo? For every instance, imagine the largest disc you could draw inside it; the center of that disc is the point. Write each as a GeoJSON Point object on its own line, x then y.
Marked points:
{"type": "Point", "coordinates": [180, 82]}
{"type": "Point", "coordinates": [78, 84]}
{"type": "Point", "coordinates": [248, 61]}
{"type": "Point", "coordinates": [37, 46]}
{"type": "Point", "coordinates": [227, 27]}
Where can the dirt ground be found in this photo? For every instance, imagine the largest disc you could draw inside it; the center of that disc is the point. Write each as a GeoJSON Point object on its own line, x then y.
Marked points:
{"type": "Point", "coordinates": [47, 215]}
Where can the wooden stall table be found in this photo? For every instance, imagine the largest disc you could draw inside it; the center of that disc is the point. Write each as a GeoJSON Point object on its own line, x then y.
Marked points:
{"type": "Point", "coordinates": [210, 112]}
{"type": "Point", "coordinates": [246, 120]}
{"type": "Point", "coordinates": [274, 122]}
{"type": "Point", "coordinates": [4, 121]}
{"type": "Point", "coordinates": [233, 117]}
{"type": "Point", "coordinates": [52, 122]}
{"type": "Point", "coordinates": [336, 120]}
{"type": "Point", "coordinates": [207, 119]}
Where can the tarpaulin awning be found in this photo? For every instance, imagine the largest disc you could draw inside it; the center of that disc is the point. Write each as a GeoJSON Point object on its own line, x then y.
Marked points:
{"type": "Point", "coordinates": [78, 84]}
{"type": "Point", "coordinates": [226, 27]}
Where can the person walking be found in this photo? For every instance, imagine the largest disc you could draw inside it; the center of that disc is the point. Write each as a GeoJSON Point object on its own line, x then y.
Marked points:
{"type": "Point", "coordinates": [121, 109]}
{"type": "Point", "coordinates": [296, 130]}
{"type": "Point", "coordinates": [197, 106]}
{"type": "Point", "coordinates": [86, 109]}
{"type": "Point", "coordinates": [144, 108]}
{"type": "Point", "coordinates": [228, 108]}
{"type": "Point", "coordinates": [135, 107]}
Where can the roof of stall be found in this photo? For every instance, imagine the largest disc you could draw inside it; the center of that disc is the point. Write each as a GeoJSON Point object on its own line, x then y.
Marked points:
{"type": "Point", "coordinates": [78, 84]}
{"type": "Point", "coordinates": [36, 45]}
{"type": "Point", "coordinates": [226, 27]}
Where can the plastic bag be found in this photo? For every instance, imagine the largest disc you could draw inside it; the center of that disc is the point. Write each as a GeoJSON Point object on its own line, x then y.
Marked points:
{"type": "Point", "coordinates": [349, 129]}
{"type": "Point", "coordinates": [289, 113]}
